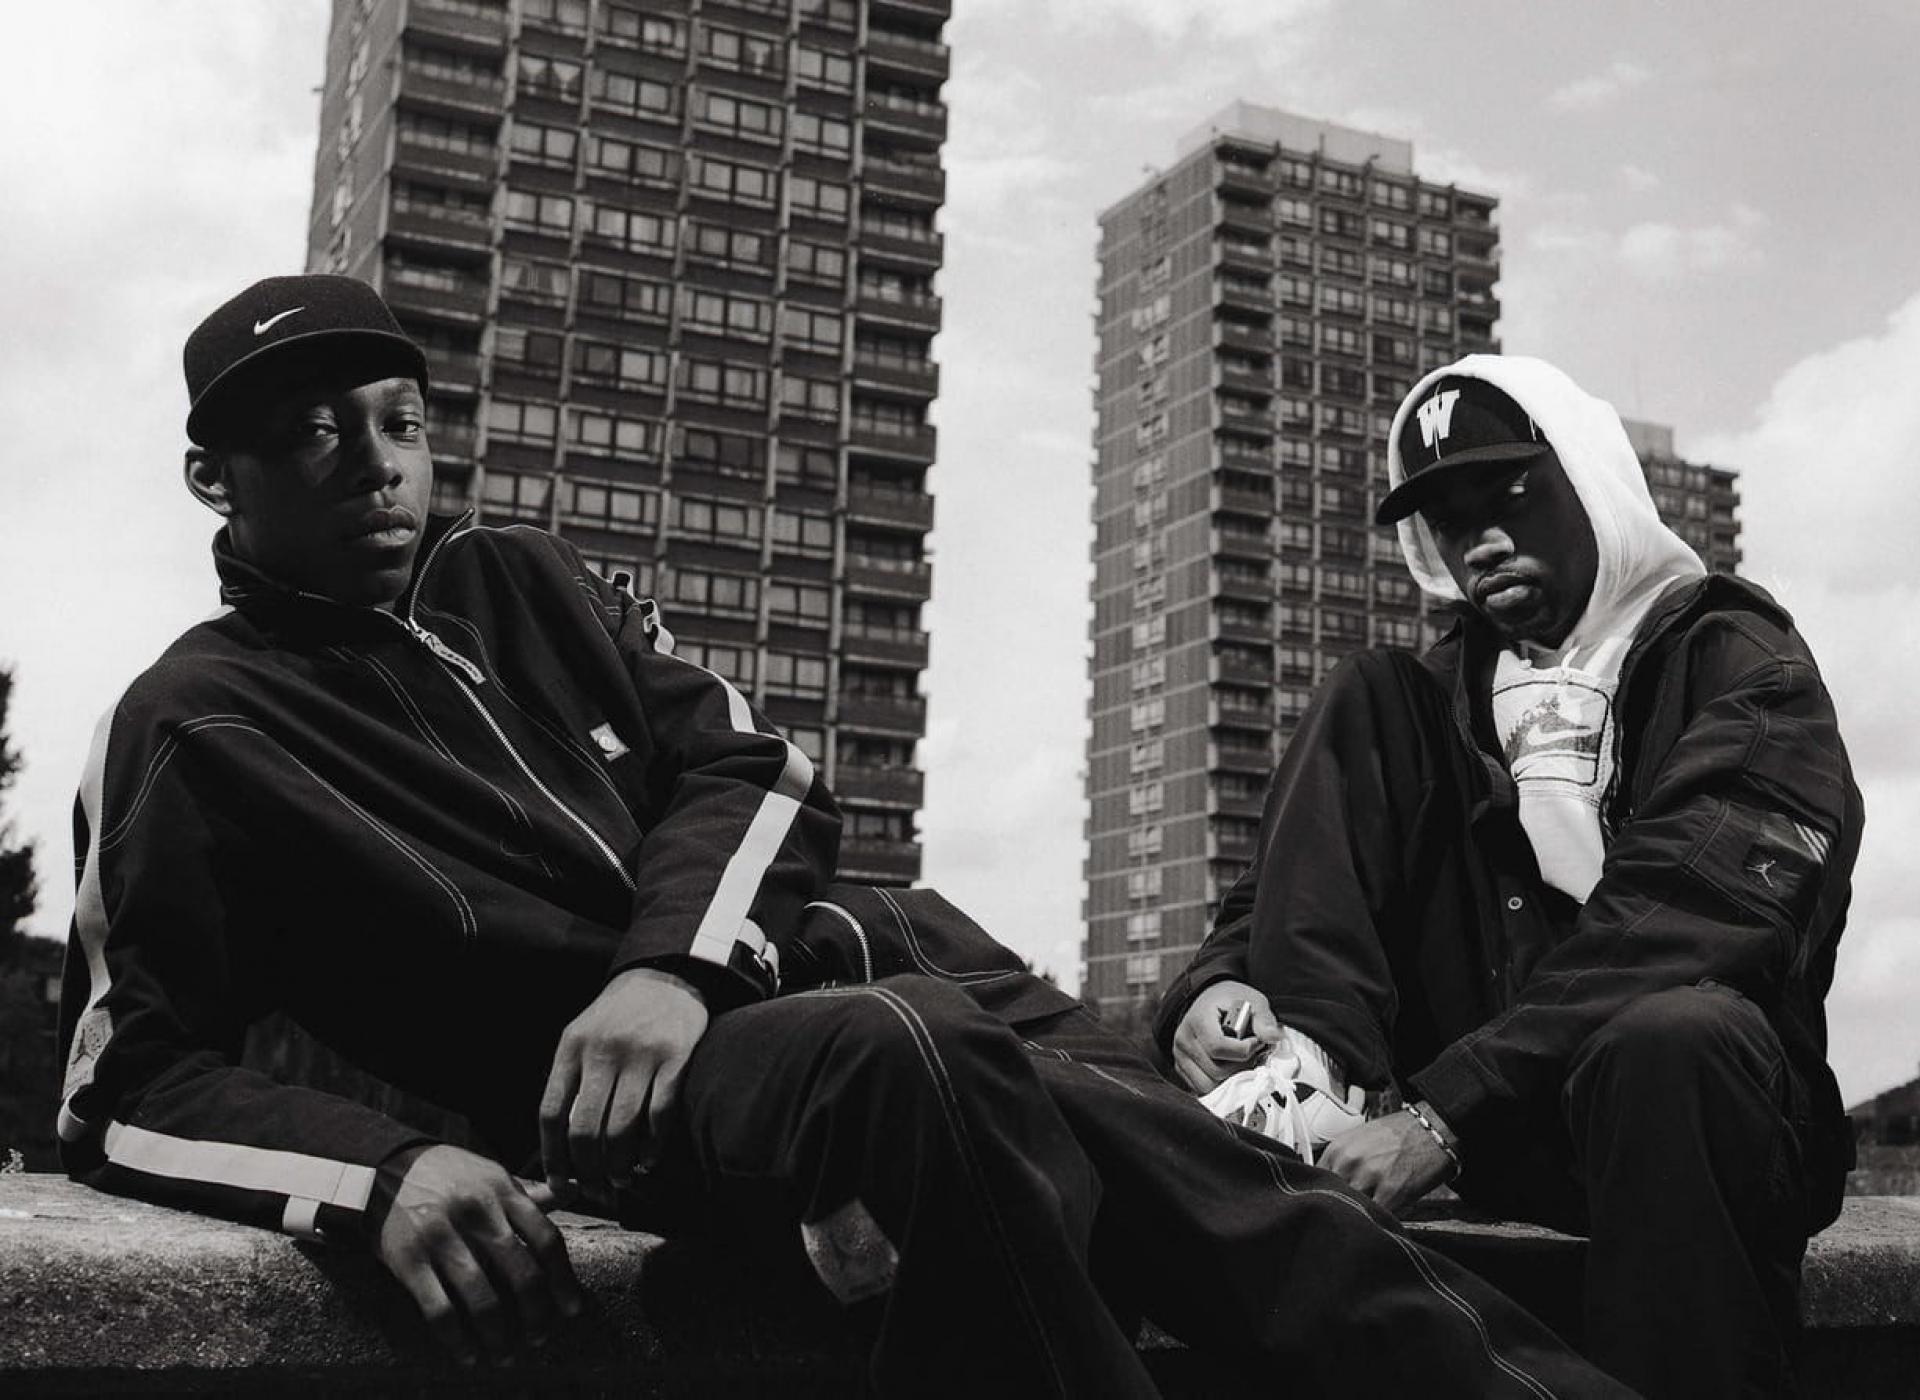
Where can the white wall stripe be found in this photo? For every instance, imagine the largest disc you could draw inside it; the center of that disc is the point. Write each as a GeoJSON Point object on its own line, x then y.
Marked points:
{"type": "Point", "coordinates": [315, 1179]}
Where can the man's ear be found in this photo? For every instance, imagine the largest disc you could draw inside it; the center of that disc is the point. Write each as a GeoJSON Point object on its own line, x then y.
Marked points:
{"type": "Point", "coordinates": [206, 474]}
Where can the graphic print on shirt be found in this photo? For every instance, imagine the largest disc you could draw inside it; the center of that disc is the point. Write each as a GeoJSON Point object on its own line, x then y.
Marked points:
{"type": "Point", "coordinates": [1559, 735]}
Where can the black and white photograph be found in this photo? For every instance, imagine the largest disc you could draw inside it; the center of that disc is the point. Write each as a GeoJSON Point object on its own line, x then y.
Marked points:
{"type": "Point", "coordinates": [1079, 698]}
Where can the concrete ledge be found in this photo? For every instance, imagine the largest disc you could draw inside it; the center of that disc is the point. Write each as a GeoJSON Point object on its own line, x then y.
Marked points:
{"type": "Point", "coordinates": [100, 1295]}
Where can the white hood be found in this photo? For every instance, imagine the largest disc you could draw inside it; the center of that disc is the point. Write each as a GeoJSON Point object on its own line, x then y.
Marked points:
{"type": "Point", "coordinates": [1639, 556]}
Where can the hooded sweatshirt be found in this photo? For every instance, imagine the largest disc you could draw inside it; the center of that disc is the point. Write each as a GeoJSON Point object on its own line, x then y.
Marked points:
{"type": "Point", "coordinates": [1553, 708]}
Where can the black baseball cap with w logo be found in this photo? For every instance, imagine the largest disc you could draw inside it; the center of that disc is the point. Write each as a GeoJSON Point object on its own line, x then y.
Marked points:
{"type": "Point", "coordinates": [286, 325]}
{"type": "Point", "coordinates": [1457, 424]}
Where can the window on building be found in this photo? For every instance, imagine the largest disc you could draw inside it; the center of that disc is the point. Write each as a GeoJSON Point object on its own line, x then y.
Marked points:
{"type": "Point", "coordinates": [814, 198]}
{"type": "Point", "coordinates": [610, 505]}
{"type": "Point", "coordinates": [817, 263]}
{"type": "Point", "coordinates": [634, 160]}
{"type": "Point", "coordinates": [729, 247]}
{"type": "Point", "coordinates": [803, 396]}
{"type": "Point", "coordinates": [763, 55]}
{"type": "Point", "coordinates": [520, 348]}
{"type": "Point", "coordinates": [1343, 223]}
{"type": "Point", "coordinates": [811, 329]}
{"type": "Point", "coordinates": [539, 213]}
{"type": "Point", "coordinates": [533, 280]}
{"type": "Point", "coordinates": [646, 97]}
{"type": "Point", "coordinates": [608, 434]}
{"type": "Point", "coordinates": [445, 134]}
{"type": "Point", "coordinates": [612, 294]}
{"type": "Point", "coordinates": [722, 522]}
{"type": "Point", "coordinates": [1393, 349]}
{"type": "Point", "coordinates": [802, 532]}
{"type": "Point", "coordinates": [523, 495]}
{"type": "Point", "coordinates": [1342, 340]}
{"type": "Point", "coordinates": [802, 676]}
{"type": "Point", "coordinates": [1345, 183]}
{"type": "Point", "coordinates": [738, 117]}
{"type": "Point", "coordinates": [1145, 842]}
{"type": "Point", "coordinates": [1390, 194]}
{"type": "Point", "coordinates": [724, 313]}
{"type": "Point", "coordinates": [541, 76]}
{"type": "Point", "coordinates": [514, 420]}
{"type": "Point", "coordinates": [1343, 381]}
{"type": "Point", "coordinates": [727, 454]}
{"type": "Point", "coordinates": [799, 464]}
{"type": "Point", "coordinates": [809, 604]}
{"type": "Point", "coordinates": [544, 145]}
{"type": "Point", "coordinates": [1146, 799]}
{"type": "Point", "coordinates": [727, 384]}
{"type": "Point", "coordinates": [1389, 234]}
{"type": "Point", "coordinates": [569, 16]}
{"type": "Point", "coordinates": [716, 594]}
{"type": "Point", "coordinates": [660, 34]}
{"type": "Point", "coordinates": [822, 135]}
{"type": "Point", "coordinates": [819, 68]}
{"type": "Point", "coordinates": [734, 181]}
{"type": "Point", "coordinates": [888, 418]}
{"type": "Point", "coordinates": [636, 230]}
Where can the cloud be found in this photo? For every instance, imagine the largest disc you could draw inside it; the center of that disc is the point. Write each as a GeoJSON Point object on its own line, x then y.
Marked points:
{"type": "Point", "coordinates": [1829, 524]}
{"type": "Point", "coordinates": [187, 174]}
{"type": "Point", "coordinates": [1163, 19]}
{"type": "Point", "coordinates": [1638, 178]}
{"type": "Point", "coordinates": [1662, 252]}
{"type": "Point", "coordinates": [1586, 94]}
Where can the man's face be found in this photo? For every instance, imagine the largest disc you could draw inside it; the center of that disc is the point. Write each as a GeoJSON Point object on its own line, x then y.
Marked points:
{"type": "Point", "coordinates": [329, 491]}
{"type": "Point", "coordinates": [1520, 547]}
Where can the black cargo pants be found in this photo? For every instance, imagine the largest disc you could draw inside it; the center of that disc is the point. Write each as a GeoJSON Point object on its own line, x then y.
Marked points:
{"type": "Point", "coordinates": [990, 1200]}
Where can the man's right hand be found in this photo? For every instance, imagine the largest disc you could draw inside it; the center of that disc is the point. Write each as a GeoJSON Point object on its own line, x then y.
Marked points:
{"type": "Point", "coordinates": [479, 1257]}
{"type": "Point", "coordinates": [1203, 1052]}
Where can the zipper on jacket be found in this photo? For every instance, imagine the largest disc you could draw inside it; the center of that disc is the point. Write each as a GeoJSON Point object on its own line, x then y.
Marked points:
{"type": "Point", "coordinates": [859, 933]}
{"type": "Point", "coordinates": [446, 653]}
{"type": "Point", "coordinates": [475, 677]}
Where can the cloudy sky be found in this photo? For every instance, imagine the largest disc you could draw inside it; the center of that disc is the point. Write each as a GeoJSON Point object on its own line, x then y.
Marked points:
{"type": "Point", "coordinates": [1708, 216]}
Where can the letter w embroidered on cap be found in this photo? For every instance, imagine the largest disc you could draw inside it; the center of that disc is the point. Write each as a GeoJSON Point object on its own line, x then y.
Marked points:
{"type": "Point", "coordinates": [1436, 416]}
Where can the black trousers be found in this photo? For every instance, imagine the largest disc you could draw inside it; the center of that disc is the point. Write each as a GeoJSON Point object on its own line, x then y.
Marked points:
{"type": "Point", "coordinates": [993, 1200]}
{"type": "Point", "coordinates": [1671, 1137]}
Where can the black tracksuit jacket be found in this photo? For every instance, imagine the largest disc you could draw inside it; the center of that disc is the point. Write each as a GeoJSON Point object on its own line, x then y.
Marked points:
{"type": "Point", "coordinates": [430, 836]}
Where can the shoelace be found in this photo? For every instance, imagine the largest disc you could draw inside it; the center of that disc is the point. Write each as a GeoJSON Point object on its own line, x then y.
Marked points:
{"type": "Point", "coordinates": [1266, 1099]}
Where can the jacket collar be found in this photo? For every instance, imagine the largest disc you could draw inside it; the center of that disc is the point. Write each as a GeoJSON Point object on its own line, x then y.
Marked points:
{"type": "Point", "coordinates": [249, 589]}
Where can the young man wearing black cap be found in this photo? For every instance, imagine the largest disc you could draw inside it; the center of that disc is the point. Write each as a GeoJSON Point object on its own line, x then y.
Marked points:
{"type": "Point", "coordinates": [450, 800]}
{"type": "Point", "coordinates": [1571, 881]}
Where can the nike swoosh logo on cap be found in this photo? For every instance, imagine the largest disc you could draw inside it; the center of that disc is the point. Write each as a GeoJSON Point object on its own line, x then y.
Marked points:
{"type": "Point", "coordinates": [262, 327]}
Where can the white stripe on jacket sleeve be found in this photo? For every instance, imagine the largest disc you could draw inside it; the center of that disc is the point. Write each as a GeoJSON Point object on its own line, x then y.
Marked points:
{"type": "Point", "coordinates": [95, 1026]}
{"type": "Point", "coordinates": [304, 1178]}
{"type": "Point", "coordinates": [726, 922]}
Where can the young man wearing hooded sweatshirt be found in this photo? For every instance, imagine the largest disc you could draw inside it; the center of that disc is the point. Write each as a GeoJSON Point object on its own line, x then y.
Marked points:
{"type": "Point", "coordinates": [1571, 881]}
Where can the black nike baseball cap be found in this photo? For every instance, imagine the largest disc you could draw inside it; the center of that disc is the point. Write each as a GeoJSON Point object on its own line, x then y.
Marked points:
{"type": "Point", "coordinates": [1459, 424]}
{"type": "Point", "coordinates": [283, 323]}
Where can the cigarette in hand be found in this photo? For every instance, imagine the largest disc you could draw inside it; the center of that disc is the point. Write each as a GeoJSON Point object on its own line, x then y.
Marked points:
{"type": "Point", "coordinates": [1237, 1021]}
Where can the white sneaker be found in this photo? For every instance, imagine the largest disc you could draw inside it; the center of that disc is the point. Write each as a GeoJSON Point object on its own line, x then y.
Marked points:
{"type": "Point", "coordinates": [1297, 1096]}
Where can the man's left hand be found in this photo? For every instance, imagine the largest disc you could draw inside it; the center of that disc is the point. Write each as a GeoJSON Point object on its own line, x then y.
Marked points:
{"type": "Point", "coordinates": [1392, 1159]}
{"type": "Point", "coordinates": [614, 1080]}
